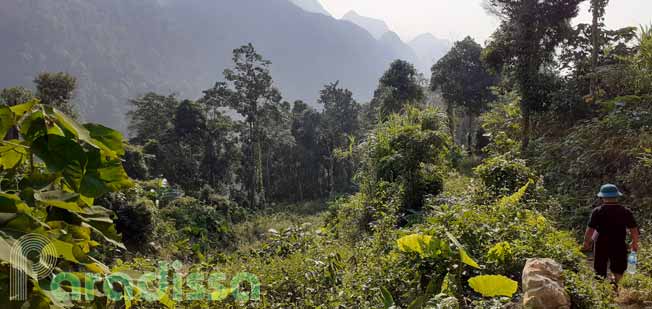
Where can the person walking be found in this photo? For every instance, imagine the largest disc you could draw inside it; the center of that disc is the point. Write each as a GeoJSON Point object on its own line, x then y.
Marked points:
{"type": "Point", "coordinates": [607, 228]}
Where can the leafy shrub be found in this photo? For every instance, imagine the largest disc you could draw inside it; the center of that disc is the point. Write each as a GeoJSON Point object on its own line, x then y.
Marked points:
{"type": "Point", "coordinates": [198, 222]}
{"type": "Point", "coordinates": [614, 147]}
{"type": "Point", "coordinates": [351, 218]}
{"type": "Point", "coordinates": [503, 175]}
{"type": "Point", "coordinates": [502, 124]}
{"type": "Point", "coordinates": [587, 292]}
{"type": "Point", "coordinates": [134, 162]}
{"type": "Point", "coordinates": [411, 150]}
{"type": "Point", "coordinates": [356, 217]}
{"type": "Point", "coordinates": [489, 235]}
{"type": "Point", "coordinates": [636, 289]}
{"type": "Point", "coordinates": [136, 218]}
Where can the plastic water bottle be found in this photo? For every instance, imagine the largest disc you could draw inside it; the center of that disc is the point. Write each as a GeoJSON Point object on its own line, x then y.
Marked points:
{"type": "Point", "coordinates": [631, 263]}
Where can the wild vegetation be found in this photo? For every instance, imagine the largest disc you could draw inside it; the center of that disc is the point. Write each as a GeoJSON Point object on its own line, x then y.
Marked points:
{"type": "Point", "coordinates": [407, 201]}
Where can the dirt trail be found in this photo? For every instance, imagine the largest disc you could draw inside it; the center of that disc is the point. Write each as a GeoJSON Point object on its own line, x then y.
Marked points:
{"type": "Point", "coordinates": [621, 299]}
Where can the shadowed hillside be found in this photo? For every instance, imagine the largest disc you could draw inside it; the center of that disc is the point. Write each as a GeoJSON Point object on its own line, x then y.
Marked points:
{"type": "Point", "coordinates": [120, 49]}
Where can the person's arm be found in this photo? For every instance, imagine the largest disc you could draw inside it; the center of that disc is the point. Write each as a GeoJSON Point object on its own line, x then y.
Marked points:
{"type": "Point", "coordinates": [634, 233]}
{"type": "Point", "coordinates": [590, 230]}
{"type": "Point", "coordinates": [588, 238]}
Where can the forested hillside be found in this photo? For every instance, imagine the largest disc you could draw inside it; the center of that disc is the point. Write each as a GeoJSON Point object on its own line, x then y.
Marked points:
{"type": "Point", "coordinates": [469, 189]}
{"type": "Point", "coordinates": [122, 49]}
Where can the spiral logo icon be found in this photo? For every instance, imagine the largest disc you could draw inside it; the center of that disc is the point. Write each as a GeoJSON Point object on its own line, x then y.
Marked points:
{"type": "Point", "coordinates": [32, 256]}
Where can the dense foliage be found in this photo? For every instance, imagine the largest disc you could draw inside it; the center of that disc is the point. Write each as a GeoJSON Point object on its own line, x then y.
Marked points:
{"type": "Point", "coordinates": [52, 172]}
{"type": "Point", "coordinates": [372, 205]}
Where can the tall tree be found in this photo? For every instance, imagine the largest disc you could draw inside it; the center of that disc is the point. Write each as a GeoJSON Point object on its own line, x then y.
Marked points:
{"type": "Point", "coordinates": [525, 42]}
{"type": "Point", "coordinates": [151, 117]}
{"type": "Point", "coordinates": [463, 81]}
{"type": "Point", "coordinates": [339, 121]}
{"type": "Point", "coordinates": [306, 131]}
{"type": "Point", "coordinates": [15, 95]}
{"type": "Point", "coordinates": [56, 90]}
{"type": "Point", "coordinates": [598, 10]}
{"type": "Point", "coordinates": [398, 86]}
{"type": "Point", "coordinates": [248, 88]}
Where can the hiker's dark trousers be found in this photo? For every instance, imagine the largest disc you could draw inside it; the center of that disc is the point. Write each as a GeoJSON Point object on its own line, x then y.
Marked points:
{"type": "Point", "coordinates": [612, 254]}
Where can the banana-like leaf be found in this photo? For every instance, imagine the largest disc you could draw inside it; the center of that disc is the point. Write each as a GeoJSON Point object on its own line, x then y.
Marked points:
{"type": "Point", "coordinates": [516, 197]}
{"type": "Point", "coordinates": [464, 257]}
{"type": "Point", "coordinates": [493, 285]}
{"type": "Point", "coordinates": [386, 297]}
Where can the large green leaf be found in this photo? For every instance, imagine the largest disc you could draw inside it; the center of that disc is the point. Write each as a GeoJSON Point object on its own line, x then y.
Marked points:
{"type": "Point", "coordinates": [111, 139]}
{"type": "Point", "coordinates": [12, 153]}
{"type": "Point", "coordinates": [59, 153]}
{"type": "Point", "coordinates": [20, 109]}
{"type": "Point", "coordinates": [109, 176]}
{"type": "Point", "coordinates": [99, 220]}
{"type": "Point", "coordinates": [19, 262]}
{"type": "Point", "coordinates": [464, 257]}
{"type": "Point", "coordinates": [493, 285]}
{"type": "Point", "coordinates": [65, 250]}
{"type": "Point", "coordinates": [10, 203]}
{"type": "Point", "coordinates": [71, 127]}
{"type": "Point", "coordinates": [416, 243]}
{"type": "Point", "coordinates": [60, 199]}
{"type": "Point", "coordinates": [33, 126]}
{"type": "Point", "coordinates": [6, 121]}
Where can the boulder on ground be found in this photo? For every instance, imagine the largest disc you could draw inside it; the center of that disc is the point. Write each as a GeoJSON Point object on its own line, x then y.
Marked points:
{"type": "Point", "coordinates": [543, 286]}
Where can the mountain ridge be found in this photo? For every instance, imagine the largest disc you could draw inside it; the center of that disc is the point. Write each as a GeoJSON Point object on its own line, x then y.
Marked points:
{"type": "Point", "coordinates": [376, 27]}
{"type": "Point", "coordinates": [175, 46]}
{"type": "Point", "coordinates": [312, 6]}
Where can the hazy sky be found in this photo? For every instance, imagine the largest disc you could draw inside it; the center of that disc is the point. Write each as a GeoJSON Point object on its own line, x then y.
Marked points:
{"type": "Point", "coordinates": [454, 19]}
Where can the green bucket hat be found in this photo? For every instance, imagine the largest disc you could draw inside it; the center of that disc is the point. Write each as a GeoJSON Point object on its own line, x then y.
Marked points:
{"type": "Point", "coordinates": [609, 190]}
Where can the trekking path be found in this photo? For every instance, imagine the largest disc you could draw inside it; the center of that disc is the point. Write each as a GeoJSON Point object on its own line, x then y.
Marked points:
{"type": "Point", "coordinates": [621, 299]}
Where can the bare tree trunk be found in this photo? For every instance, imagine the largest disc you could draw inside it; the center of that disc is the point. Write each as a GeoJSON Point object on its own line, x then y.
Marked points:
{"type": "Point", "coordinates": [525, 110]}
{"type": "Point", "coordinates": [299, 180]}
{"type": "Point", "coordinates": [331, 172]}
{"type": "Point", "coordinates": [252, 162]}
{"type": "Point", "coordinates": [268, 176]}
{"type": "Point", "coordinates": [596, 48]}
{"type": "Point", "coordinates": [331, 176]}
{"type": "Point", "coordinates": [450, 112]}
{"type": "Point", "coordinates": [469, 137]}
{"type": "Point", "coordinates": [260, 185]}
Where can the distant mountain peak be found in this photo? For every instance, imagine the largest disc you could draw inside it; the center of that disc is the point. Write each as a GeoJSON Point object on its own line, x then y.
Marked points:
{"type": "Point", "coordinates": [425, 36]}
{"type": "Point", "coordinates": [351, 13]}
{"type": "Point", "coordinates": [429, 49]}
{"type": "Point", "coordinates": [391, 37]}
{"type": "Point", "coordinates": [376, 27]}
{"type": "Point", "coordinates": [430, 39]}
{"type": "Point", "coordinates": [312, 6]}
